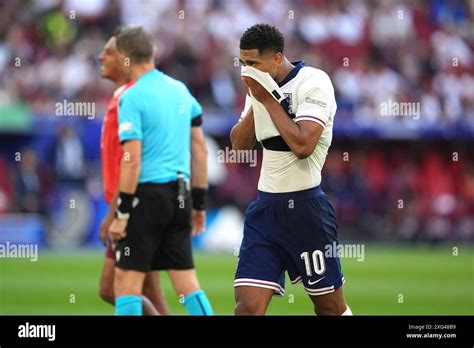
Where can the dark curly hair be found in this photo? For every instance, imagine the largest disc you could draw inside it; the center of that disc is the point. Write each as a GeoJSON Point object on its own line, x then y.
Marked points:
{"type": "Point", "coordinates": [264, 37]}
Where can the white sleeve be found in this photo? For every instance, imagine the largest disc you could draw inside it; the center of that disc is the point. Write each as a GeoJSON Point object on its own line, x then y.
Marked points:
{"type": "Point", "coordinates": [315, 103]}
{"type": "Point", "coordinates": [248, 105]}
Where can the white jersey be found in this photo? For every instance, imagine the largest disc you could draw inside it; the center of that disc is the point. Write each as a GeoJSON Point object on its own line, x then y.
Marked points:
{"type": "Point", "coordinates": [310, 94]}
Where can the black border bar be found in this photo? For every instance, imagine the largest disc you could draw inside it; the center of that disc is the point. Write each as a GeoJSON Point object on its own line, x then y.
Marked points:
{"type": "Point", "coordinates": [242, 331]}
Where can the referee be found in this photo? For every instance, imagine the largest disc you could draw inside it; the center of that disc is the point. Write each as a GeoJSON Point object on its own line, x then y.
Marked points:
{"type": "Point", "coordinates": [159, 127]}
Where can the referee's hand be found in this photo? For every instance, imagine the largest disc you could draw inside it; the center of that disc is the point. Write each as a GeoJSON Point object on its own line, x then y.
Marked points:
{"type": "Point", "coordinates": [117, 230]}
{"type": "Point", "coordinates": [198, 222]}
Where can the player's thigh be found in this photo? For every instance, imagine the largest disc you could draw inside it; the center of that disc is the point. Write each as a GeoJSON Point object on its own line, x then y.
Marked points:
{"type": "Point", "coordinates": [184, 281]}
{"type": "Point", "coordinates": [252, 300]}
{"type": "Point", "coordinates": [128, 282]}
{"type": "Point", "coordinates": [313, 226]}
{"type": "Point", "coordinates": [329, 304]}
{"type": "Point", "coordinates": [260, 264]}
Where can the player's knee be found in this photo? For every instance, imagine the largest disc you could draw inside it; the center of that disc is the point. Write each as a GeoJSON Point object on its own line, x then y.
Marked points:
{"type": "Point", "coordinates": [248, 307]}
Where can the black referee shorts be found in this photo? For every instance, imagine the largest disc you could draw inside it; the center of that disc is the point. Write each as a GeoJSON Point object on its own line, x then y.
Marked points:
{"type": "Point", "coordinates": [158, 231]}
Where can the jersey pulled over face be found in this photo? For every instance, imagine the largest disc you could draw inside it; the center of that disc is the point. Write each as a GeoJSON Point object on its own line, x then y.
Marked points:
{"type": "Point", "coordinates": [310, 97]}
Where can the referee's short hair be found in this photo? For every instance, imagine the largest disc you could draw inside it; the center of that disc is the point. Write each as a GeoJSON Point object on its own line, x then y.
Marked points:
{"type": "Point", "coordinates": [136, 43]}
{"type": "Point", "coordinates": [117, 31]}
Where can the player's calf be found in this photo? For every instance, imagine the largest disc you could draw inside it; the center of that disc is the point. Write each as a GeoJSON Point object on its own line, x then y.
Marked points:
{"type": "Point", "coordinates": [186, 284]}
{"type": "Point", "coordinates": [128, 289]}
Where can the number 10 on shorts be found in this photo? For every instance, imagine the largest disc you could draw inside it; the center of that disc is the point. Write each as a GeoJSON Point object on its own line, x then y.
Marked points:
{"type": "Point", "coordinates": [318, 262]}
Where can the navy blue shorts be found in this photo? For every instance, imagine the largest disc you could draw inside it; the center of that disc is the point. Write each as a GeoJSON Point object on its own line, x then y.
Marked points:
{"type": "Point", "coordinates": [293, 232]}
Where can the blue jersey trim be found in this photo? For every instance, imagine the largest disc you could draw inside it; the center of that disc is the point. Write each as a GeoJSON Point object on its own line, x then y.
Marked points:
{"type": "Point", "coordinates": [298, 65]}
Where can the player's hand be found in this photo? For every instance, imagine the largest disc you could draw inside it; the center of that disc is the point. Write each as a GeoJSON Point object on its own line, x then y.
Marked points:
{"type": "Point", "coordinates": [104, 229]}
{"type": "Point", "coordinates": [117, 230]}
{"type": "Point", "coordinates": [198, 222]}
{"type": "Point", "coordinates": [258, 91]}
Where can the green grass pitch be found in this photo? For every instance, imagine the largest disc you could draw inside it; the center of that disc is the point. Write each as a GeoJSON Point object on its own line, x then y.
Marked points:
{"type": "Point", "coordinates": [390, 281]}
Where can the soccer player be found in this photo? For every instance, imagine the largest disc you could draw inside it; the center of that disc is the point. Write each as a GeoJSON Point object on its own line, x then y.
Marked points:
{"type": "Point", "coordinates": [162, 141]}
{"type": "Point", "coordinates": [112, 68]}
{"type": "Point", "coordinates": [288, 226]}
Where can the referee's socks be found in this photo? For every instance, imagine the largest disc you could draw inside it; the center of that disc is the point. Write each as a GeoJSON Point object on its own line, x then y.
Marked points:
{"type": "Point", "coordinates": [128, 305]}
{"type": "Point", "coordinates": [196, 303]}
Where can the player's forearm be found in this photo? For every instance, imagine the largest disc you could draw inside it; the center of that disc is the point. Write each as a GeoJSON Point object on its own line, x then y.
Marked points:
{"type": "Point", "coordinates": [129, 173]}
{"type": "Point", "coordinates": [294, 136]}
{"type": "Point", "coordinates": [198, 158]}
{"type": "Point", "coordinates": [242, 135]}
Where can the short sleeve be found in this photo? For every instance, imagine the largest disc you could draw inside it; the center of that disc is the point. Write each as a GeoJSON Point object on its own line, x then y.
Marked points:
{"type": "Point", "coordinates": [196, 108]}
{"type": "Point", "coordinates": [314, 104]}
{"type": "Point", "coordinates": [129, 119]}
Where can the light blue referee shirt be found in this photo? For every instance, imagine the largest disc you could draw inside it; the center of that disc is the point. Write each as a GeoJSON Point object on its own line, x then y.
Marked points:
{"type": "Point", "coordinates": [158, 111]}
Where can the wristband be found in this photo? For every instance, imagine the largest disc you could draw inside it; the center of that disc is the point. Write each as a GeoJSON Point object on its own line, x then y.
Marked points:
{"type": "Point", "coordinates": [199, 198]}
{"type": "Point", "coordinates": [125, 204]}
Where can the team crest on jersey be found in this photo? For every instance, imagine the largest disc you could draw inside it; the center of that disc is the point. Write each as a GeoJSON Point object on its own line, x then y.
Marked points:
{"type": "Point", "coordinates": [289, 102]}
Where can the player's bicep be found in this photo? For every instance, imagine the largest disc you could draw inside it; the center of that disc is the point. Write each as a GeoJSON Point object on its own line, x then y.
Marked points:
{"type": "Point", "coordinates": [311, 132]}
{"type": "Point", "coordinates": [198, 141]}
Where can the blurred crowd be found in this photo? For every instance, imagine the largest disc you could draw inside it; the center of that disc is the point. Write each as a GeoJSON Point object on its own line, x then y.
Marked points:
{"type": "Point", "coordinates": [28, 181]}
{"type": "Point", "coordinates": [402, 191]}
{"type": "Point", "coordinates": [398, 191]}
{"type": "Point", "coordinates": [375, 51]}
